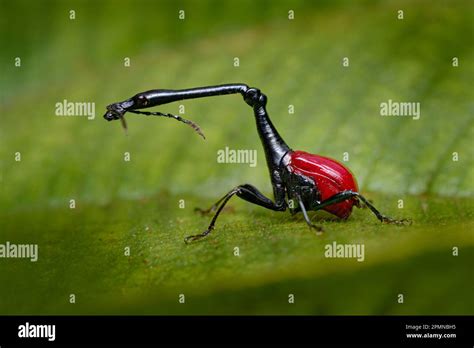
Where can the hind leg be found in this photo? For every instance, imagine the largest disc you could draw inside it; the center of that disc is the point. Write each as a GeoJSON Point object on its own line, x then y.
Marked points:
{"type": "Point", "coordinates": [345, 195]}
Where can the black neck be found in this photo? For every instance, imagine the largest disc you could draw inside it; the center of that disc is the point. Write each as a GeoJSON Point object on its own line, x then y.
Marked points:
{"type": "Point", "coordinates": [273, 144]}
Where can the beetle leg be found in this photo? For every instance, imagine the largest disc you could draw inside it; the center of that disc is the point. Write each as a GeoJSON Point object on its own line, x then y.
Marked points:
{"type": "Point", "coordinates": [362, 206]}
{"type": "Point", "coordinates": [211, 209]}
{"type": "Point", "coordinates": [380, 216]}
{"type": "Point", "coordinates": [224, 200]}
{"type": "Point", "coordinates": [248, 193]}
{"type": "Point", "coordinates": [319, 229]}
{"type": "Point", "coordinates": [345, 195]}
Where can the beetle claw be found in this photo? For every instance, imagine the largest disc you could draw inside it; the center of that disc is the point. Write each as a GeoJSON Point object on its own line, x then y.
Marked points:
{"type": "Point", "coordinates": [190, 239]}
{"type": "Point", "coordinates": [406, 222]}
{"type": "Point", "coordinates": [387, 220]}
{"type": "Point", "coordinates": [196, 237]}
{"type": "Point", "coordinates": [205, 212]}
{"type": "Point", "coordinates": [319, 229]}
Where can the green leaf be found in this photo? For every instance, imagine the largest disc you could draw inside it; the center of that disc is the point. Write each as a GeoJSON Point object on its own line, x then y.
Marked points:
{"type": "Point", "coordinates": [426, 163]}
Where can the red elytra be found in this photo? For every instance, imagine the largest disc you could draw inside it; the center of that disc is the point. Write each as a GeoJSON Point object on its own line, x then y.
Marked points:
{"type": "Point", "coordinates": [330, 177]}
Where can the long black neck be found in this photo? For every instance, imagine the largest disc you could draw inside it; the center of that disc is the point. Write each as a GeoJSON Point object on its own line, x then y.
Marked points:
{"type": "Point", "coordinates": [274, 146]}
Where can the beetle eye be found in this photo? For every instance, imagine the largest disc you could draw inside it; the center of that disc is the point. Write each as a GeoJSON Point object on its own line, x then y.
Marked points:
{"type": "Point", "coordinates": [112, 115]}
{"type": "Point", "coordinates": [143, 100]}
{"type": "Point", "coordinates": [109, 116]}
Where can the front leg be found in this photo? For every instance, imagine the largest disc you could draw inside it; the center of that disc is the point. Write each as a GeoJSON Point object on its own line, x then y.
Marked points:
{"type": "Point", "coordinates": [248, 193]}
{"type": "Point", "coordinates": [318, 229]}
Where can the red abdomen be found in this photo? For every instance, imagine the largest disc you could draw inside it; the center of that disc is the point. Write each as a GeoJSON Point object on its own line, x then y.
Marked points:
{"type": "Point", "coordinates": [330, 177]}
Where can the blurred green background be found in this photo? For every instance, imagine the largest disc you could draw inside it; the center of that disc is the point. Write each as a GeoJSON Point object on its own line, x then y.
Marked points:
{"type": "Point", "coordinates": [135, 204]}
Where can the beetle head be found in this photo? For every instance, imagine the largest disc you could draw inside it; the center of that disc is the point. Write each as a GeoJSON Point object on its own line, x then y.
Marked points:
{"type": "Point", "coordinates": [114, 112]}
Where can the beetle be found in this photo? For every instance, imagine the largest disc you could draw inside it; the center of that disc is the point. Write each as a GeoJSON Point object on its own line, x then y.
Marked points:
{"type": "Point", "coordinates": [314, 182]}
